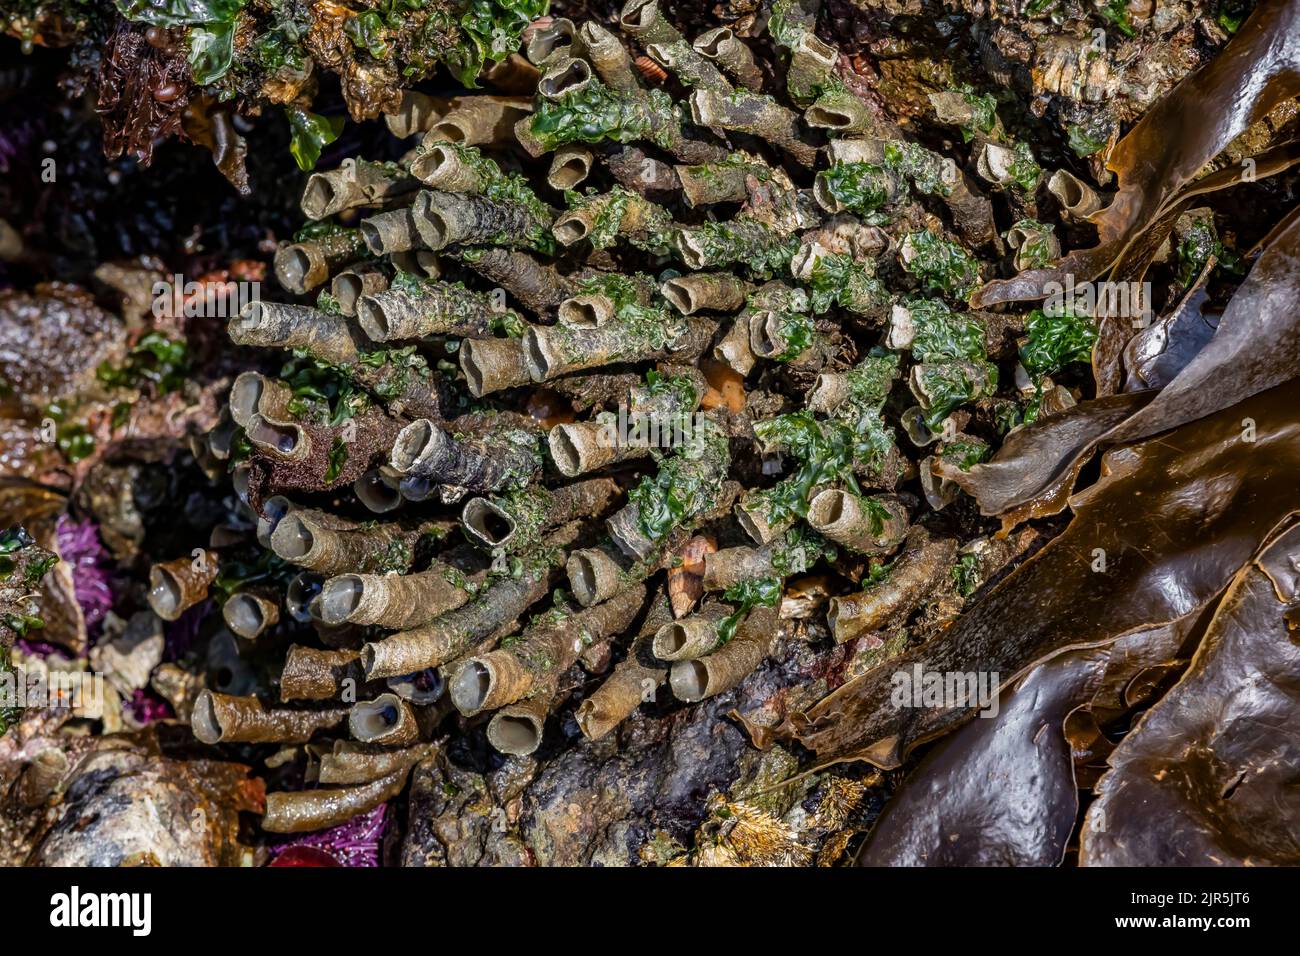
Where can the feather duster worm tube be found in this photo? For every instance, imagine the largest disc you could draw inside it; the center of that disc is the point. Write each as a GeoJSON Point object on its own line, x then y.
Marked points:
{"type": "Point", "coordinates": [302, 266]}
{"type": "Point", "coordinates": [424, 450]}
{"type": "Point", "coordinates": [867, 525]}
{"type": "Point", "coordinates": [355, 183]}
{"type": "Point", "coordinates": [704, 677]}
{"type": "Point", "coordinates": [307, 810]}
{"type": "Point", "coordinates": [276, 325]}
{"type": "Point", "coordinates": [396, 600]}
{"type": "Point", "coordinates": [633, 682]}
{"type": "Point", "coordinates": [176, 586]}
{"type": "Point", "coordinates": [314, 674]}
{"type": "Point", "coordinates": [922, 563]}
{"type": "Point", "coordinates": [221, 718]}
{"type": "Point", "coordinates": [455, 632]}
{"type": "Point", "coordinates": [387, 721]}
{"type": "Point", "coordinates": [430, 308]}
{"type": "Point", "coordinates": [300, 539]}
{"type": "Point", "coordinates": [515, 522]}
{"type": "Point", "coordinates": [502, 677]}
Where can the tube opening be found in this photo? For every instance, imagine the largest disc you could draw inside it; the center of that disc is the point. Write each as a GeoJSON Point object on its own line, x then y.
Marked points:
{"type": "Point", "coordinates": [514, 734]}
{"type": "Point", "coordinates": [564, 451]}
{"type": "Point", "coordinates": [291, 267]}
{"type": "Point", "coordinates": [711, 44]}
{"type": "Point", "coordinates": [689, 680]}
{"type": "Point", "coordinates": [470, 365]}
{"type": "Point", "coordinates": [535, 356]}
{"type": "Point", "coordinates": [272, 437]}
{"type": "Point", "coordinates": [340, 597]}
{"type": "Point", "coordinates": [574, 75]}
{"type": "Point", "coordinates": [582, 578]}
{"type": "Point", "coordinates": [203, 719]}
{"type": "Point", "coordinates": [411, 443]}
{"type": "Point", "coordinates": [372, 719]}
{"type": "Point", "coordinates": [583, 312]}
{"type": "Point", "coordinates": [243, 615]}
{"type": "Point", "coordinates": [469, 689]}
{"type": "Point", "coordinates": [318, 197]}
{"type": "Point", "coordinates": [292, 538]}
{"type": "Point", "coordinates": [570, 229]}
{"type": "Point", "coordinates": [164, 593]}
{"type": "Point", "coordinates": [375, 493]}
{"type": "Point", "coordinates": [669, 641]}
{"type": "Point", "coordinates": [569, 174]}
{"type": "Point", "coordinates": [680, 296]}
{"type": "Point", "coordinates": [245, 395]}
{"type": "Point", "coordinates": [422, 687]}
{"type": "Point", "coordinates": [490, 524]}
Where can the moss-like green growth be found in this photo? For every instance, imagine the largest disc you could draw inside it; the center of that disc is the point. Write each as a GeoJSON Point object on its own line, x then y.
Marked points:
{"type": "Point", "coordinates": [940, 265]}
{"type": "Point", "coordinates": [596, 114]}
{"type": "Point", "coordinates": [1056, 341]}
{"type": "Point", "coordinates": [155, 361]}
{"type": "Point", "coordinates": [839, 279]}
{"type": "Point", "coordinates": [828, 453]}
{"type": "Point", "coordinates": [686, 483]}
{"type": "Point", "coordinates": [864, 188]}
{"type": "Point", "coordinates": [941, 334]}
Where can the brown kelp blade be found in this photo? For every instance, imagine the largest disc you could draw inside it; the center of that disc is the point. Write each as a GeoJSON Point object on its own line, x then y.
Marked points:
{"type": "Point", "coordinates": [1209, 775]}
{"type": "Point", "coordinates": [1164, 530]}
{"type": "Point", "coordinates": [1256, 346]}
{"type": "Point", "coordinates": [946, 814]}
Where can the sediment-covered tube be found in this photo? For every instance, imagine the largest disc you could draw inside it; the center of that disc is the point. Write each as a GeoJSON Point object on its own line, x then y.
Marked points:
{"type": "Point", "coordinates": [692, 636]}
{"type": "Point", "coordinates": [479, 120]}
{"type": "Point", "coordinates": [1076, 197]}
{"type": "Point", "coordinates": [551, 351]}
{"type": "Point", "coordinates": [633, 682]}
{"type": "Point", "coordinates": [222, 718]}
{"type": "Point", "coordinates": [277, 325]}
{"type": "Point", "coordinates": [392, 232]}
{"type": "Point", "coordinates": [432, 308]}
{"type": "Point", "coordinates": [570, 167]}
{"type": "Point", "coordinates": [302, 266]}
{"type": "Point", "coordinates": [345, 767]}
{"type": "Point", "coordinates": [515, 521]}
{"type": "Point", "coordinates": [605, 52]}
{"type": "Point", "coordinates": [704, 677]}
{"type": "Point", "coordinates": [176, 586]}
{"type": "Point", "coordinates": [354, 183]}
{"type": "Point", "coordinates": [706, 292]}
{"type": "Point", "coordinates": [367, 278]}
{"type": "Point", "coordinates": [398, 601]}
{"type": "Point", "coordinates": [517, 730]}
{"type": "Point", "coordinates": [416, 113]}
{"type": "Point", "coordinates": [493, 364]}
{"type": "Point", "coordinates": [537, 286]}
{"type": "Point", "coordinates": [311, 673]}
{"type": "Point", "coordinates": [388, 721]}
{"type": "Point", "coordinates": [388, 546]}
{"type": "Point", "coordinates": [874, 525]}
{"type": "Point", "coordinates": [924, 562]}
{"type": "Point", "coordinates": [302, 811]}
{"type": "Point", "coordinates": [455, 632]}
{"type": "Point", "coordinates": [724, 48]}
{"type": "Point", "coordinates": [544, 651]}
{"type": "Point", "coordinates": [425, 450]}
{"type": "Point", "coordinates": [759, 116]}
{"type": "Point", "coordinates": [256, 394]}
{"type": "Point", "coordinates": [445, 219]}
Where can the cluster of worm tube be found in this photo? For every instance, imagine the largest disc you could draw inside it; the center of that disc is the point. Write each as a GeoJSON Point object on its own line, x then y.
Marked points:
{"type": "Point", "coordinates": [424, 589]}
